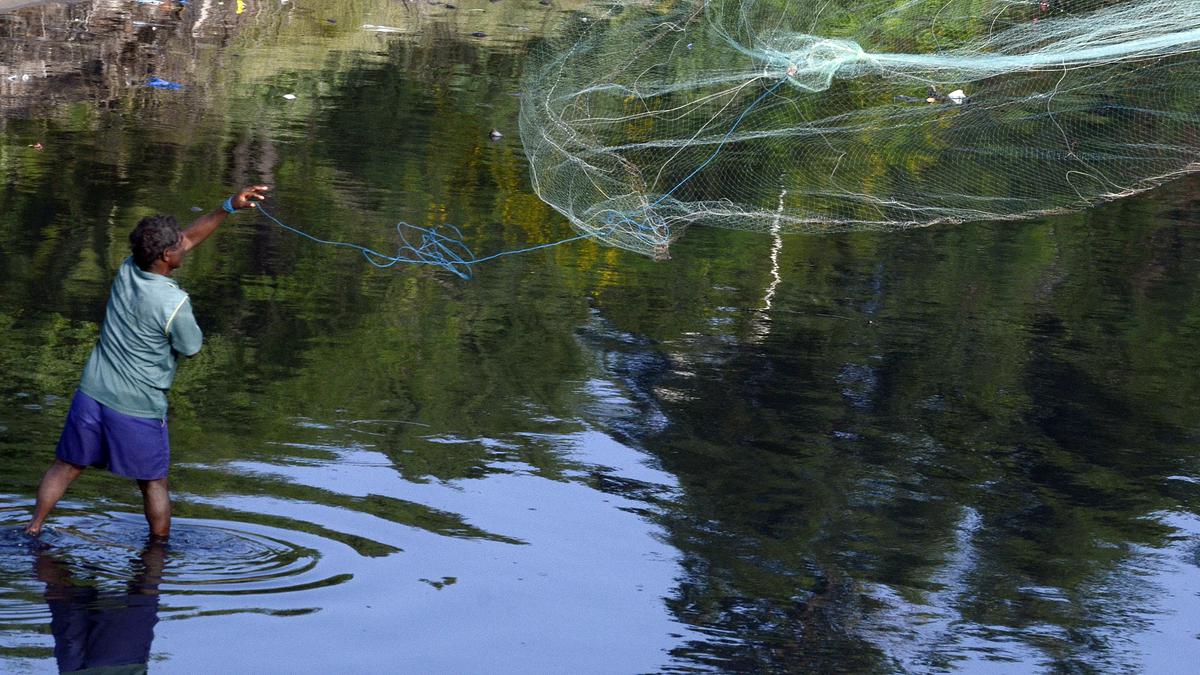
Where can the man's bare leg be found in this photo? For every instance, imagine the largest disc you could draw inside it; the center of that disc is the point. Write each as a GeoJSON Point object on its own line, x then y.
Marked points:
{"type": "Point", "coordinates": [54, 485]}
{"type": "Point", "coordinates": [157, 502]}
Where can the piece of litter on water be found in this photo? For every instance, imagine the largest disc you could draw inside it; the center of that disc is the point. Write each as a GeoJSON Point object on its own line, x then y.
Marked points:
{"type": "Point", "coordinates": [380, 29]}
{"type": "Point", "coordinates": [290, 97]}
{"type": "Point", "coordinates": [196, 209]}
{"type": "Point", "coordinates": [496, 135]}
{"type": "Point", "coordinates": [159, 83]}
{"type": "Point", "coordinates": [958, 96]}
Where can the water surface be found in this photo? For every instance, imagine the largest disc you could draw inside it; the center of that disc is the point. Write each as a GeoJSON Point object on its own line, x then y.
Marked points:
{"type": "Point", "coordinates": [962, 448]}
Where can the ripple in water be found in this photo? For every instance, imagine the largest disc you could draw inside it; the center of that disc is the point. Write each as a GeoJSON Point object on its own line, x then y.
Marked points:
{"type": "Point", "coordinates": [202, 558]}
{"type": "Point", "coordinates": [21, 601]}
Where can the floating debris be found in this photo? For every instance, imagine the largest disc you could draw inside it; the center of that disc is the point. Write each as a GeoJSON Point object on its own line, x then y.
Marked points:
{"type": "Point", "coordinates": [159, 83]}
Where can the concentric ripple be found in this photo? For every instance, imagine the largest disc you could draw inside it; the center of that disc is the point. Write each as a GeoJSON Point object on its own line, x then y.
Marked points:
{"type": "Point", "coordinates": [21, 596]}
{"type": "Point", "coordinates": [108, 551]}
{"type": "Point", "coordinates": [201, 558]}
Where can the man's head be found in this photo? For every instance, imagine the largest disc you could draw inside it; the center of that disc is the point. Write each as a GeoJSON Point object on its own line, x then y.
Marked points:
{"type": "Point", "coordinates": [156, 238]}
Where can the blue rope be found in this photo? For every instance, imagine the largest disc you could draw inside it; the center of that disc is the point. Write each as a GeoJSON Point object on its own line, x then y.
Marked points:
{"type": "Point", "coordinates": [539, 246]}
{"type": "Point", "coordinates": [430, 248]}
{"type": "Point", "coordinates": [721, 145]}
{"type": "Point", "coordinates": [425, 246]}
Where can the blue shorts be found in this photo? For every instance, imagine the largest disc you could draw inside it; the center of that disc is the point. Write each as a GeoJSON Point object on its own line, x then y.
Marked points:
{"type": "Point", "coordinates": [96, 435]}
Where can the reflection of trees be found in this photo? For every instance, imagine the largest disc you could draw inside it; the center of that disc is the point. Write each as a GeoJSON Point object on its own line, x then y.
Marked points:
{"type": "Point", "coordinates": [94, 51]}
{"type": "Point", "coordinates": [296, 330]}
{"type": "Point", "coordinates": [102, 52]}
{"type": "Point", "coordinates": [979, 419]}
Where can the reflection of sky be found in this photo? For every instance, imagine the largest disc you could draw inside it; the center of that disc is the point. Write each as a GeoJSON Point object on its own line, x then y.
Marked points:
{"type": "Point", "coordinates": [1171, 641]}
{"type": "Point", "coordinates": [590, 572]}
{"type": "Point", "coordinates": [1148, 605]}
{"type": "Point", "coordinates": [919, 634]}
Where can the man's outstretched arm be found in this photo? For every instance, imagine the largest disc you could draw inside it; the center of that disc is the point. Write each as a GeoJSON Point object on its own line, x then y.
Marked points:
{"type": "Point", "coordinates": [198, 231]}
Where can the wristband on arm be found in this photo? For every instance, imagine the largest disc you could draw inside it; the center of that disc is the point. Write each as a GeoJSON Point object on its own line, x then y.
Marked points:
{"type": "Point", "coordinates": [228, 205]}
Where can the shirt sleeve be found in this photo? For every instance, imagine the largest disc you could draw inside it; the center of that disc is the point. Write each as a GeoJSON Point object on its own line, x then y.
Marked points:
{"type": "Point", "coordinates": [182, 331]}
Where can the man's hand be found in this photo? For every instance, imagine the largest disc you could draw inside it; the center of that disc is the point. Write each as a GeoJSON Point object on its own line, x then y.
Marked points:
{"type": "Point", "coordinates": [247, 197]}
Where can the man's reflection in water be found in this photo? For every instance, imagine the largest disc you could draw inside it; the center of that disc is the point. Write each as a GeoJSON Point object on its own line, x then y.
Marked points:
{"type": "Point", "coordinates": [102, 631]}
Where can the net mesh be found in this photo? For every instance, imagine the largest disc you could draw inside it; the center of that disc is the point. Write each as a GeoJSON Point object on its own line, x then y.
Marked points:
{"type": "Point", "coordinates": [835, 115]}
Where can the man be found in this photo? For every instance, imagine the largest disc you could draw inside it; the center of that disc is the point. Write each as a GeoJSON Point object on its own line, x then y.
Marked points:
{"type": "Point", "coordinates": [118, 416]}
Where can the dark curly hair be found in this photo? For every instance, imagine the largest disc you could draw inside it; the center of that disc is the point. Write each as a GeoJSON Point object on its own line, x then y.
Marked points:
{"type": "Point", "coordinates": [152, 236]}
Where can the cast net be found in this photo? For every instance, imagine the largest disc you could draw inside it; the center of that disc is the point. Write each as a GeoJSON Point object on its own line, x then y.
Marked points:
{"type": "Point", "coordinates": [830, 115]}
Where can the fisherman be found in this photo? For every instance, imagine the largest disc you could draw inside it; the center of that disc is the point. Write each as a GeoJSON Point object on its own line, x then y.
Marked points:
{"type": "Point", "coordinates": [118, 416]}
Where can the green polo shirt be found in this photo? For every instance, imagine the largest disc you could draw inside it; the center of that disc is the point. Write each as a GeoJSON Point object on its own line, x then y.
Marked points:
{"type": "Point", "coordinates": [147, 325]}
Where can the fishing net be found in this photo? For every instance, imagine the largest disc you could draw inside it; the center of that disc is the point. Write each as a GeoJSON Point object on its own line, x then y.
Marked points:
{"type": "Point", "coordinates": [831, 115]}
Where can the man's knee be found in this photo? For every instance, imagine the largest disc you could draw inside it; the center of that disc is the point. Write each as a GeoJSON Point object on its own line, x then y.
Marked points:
{"type": "Point", "coordinates": [67, 467]}
{"type": "Point", "coordinates": [157, 485]}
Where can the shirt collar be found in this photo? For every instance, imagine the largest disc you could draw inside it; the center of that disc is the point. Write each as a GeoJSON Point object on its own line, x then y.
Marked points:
{"type": "Point", "coordinates": [151, 276]}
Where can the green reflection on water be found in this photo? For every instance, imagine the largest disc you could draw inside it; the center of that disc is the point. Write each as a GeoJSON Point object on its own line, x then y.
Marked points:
{"type": "Point", "coordinates": [980, 419]}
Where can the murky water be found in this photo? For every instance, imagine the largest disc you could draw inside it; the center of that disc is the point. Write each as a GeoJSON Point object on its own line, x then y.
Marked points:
{"type": "Point", "coordinates": [968, 448]}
